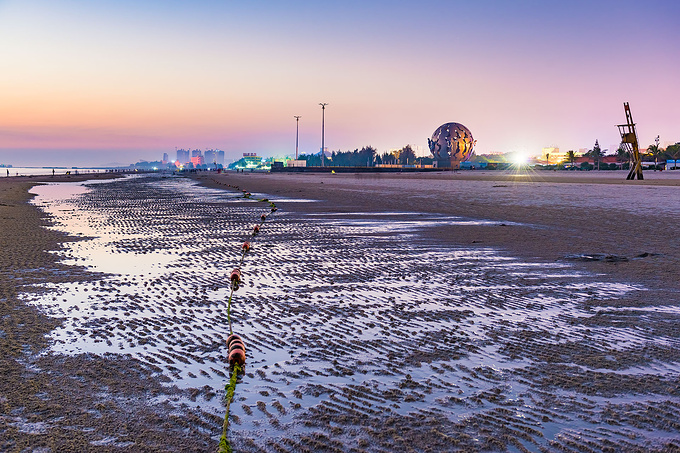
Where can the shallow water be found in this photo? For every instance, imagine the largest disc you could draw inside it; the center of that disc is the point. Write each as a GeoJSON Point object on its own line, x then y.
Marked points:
{"type": "Point", "coordinates": [349, 318]}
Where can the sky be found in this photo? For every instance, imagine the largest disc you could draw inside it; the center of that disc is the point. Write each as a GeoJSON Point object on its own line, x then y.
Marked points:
{"type": "Point", "coordinates": [93, 83]}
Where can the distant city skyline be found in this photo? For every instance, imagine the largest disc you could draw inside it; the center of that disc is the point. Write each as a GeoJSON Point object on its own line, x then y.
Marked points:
{"type": "Point", "coordinates": [93, 83]}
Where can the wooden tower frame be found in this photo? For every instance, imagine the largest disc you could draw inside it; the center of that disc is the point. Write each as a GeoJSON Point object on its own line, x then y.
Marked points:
{"type": "Point", "coordinates": [629, 142]}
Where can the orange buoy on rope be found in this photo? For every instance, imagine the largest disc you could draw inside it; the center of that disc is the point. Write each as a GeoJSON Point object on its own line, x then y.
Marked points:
{"type": "Point", "coordinates": [235, 278]}
{"type": "Point", "coordinates": [256, 229]}
{"type": "Point", "coordinates": [237, 350]}
{"type": "Point", "coordinates": [237, 344]}
{"type": "Point", "coordinates": [237, 357]}
{"type": "Point", "coordinates": [246, 246]}
{"type": "Point", "coordinates": [231, 338]}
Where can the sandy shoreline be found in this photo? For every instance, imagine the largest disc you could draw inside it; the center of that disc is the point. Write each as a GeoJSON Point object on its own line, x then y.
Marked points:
{"type": "Point", "coordinates": [89, 402]}
{"type": "Point", "coordinates": [62, 403]}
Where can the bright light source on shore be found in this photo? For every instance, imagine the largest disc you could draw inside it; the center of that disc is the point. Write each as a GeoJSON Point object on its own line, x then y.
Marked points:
{"type": "Point", "coordinates": [520, 159]}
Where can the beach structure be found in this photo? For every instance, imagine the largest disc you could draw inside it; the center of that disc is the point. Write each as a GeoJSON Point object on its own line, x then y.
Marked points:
{"type": "Point", "coordinates": [630, 143]}
{"type": "Point", "coordinates": [451, 144]}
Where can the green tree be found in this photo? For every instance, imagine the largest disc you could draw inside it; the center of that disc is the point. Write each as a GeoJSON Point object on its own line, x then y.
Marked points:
{"type": "Point", "coordinates": [673, 151]}
{"type": "Point", "coordinates": [571, 157]}
{"type": "Point", "coordinates": [389, 158]}
{"type": "Point", "coordinates": [655, 152]}
{"type": "Point", "coordinates": [596, 153]}
{"type": "Point", "coordinates": [312, 160]}
{"type": "Point", "coordinates": [407, 155]}
{"type": "Point", "coordinates": [622, 155]}
{"type": "Point", "coordinates": [367, 155]}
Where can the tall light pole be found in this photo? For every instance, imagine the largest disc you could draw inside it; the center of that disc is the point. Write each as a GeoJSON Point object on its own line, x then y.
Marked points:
{"type": "Point", "coordinates": [323, 117]}
{"type": "Point", "coordinates": [297, 131]}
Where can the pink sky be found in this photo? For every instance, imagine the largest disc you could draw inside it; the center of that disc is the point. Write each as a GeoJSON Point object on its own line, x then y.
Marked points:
{"type": "Point", "coordinates": [89, 83]}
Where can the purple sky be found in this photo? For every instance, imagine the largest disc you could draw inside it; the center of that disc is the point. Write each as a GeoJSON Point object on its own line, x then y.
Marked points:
{"type": "Point", "coordinates": [89, 83]}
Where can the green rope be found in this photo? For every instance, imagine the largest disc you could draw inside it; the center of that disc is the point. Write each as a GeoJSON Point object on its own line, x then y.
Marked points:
{"type": "Point", "coordinates": [230, 388]}
{"type": "Point", "coordinates": [229, 309]}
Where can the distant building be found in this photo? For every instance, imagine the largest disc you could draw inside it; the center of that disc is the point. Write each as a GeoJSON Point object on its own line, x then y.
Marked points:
{"type": "Point", "coordinates": [296, 163]}
{"type": "Point", "coordinates": [182, 156]}
{"type": "Point", "coordinates": [252, 159]}
{"type": "Point", "coordinates": [608, 160]}
{"type": "Point", "coordinates": [210, 156]}
{"type": "Point", "coordinates": [165, 158]}
{"type": "Point", "coordinates": [197, 160]}
{"type": "Point", "coordinates": [196, 153]}
{"type": "Point", "coordinates": [214, 156]}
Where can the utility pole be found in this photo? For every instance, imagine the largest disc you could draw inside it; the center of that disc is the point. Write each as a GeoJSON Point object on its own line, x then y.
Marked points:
{"type": "Point", "coordinates": [323, 117]}
{"type": "Point", "coordinates": [297, 131]}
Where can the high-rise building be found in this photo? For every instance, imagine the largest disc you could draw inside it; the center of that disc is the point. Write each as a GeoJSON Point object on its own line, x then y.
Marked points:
{"type": "Point", "coordinates": [165, 158]}
{"type": "Point", "coordinates": [182, 156]}
{"type": "Point", "coordinates": [220, 157]}
{"type": "Point", "coordinates": [196, 153]}
{"type": "Point", "coordinates": [210, 156]}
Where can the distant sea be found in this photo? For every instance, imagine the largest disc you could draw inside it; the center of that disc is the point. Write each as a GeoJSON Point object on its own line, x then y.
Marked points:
{"type": "Point", "coordinates": [26, 171]}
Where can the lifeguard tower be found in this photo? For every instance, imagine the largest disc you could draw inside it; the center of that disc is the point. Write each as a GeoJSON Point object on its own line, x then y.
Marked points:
{"type": "Point", "coordinates": [630, 143]}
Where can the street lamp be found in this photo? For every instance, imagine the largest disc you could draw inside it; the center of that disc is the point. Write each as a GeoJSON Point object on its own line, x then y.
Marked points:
{"type": "Point", "coordinates": [323, 117]}
{"type": "Point", "coordinates": [297, 131]}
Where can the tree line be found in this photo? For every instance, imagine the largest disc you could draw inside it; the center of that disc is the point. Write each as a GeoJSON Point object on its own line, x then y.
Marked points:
{"type": "Point", "coordinates": [367, 156]}
{"type": "Point", "coordinates": [654, 152]}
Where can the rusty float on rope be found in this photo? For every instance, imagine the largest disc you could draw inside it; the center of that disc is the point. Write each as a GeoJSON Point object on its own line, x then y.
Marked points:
{"type": "Point", "coordinates": [237, 350]}
{"type": "Point", "coordinates": [235, 278]}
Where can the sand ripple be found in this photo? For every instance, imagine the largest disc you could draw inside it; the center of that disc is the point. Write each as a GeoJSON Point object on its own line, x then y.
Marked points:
{"type": "Point", "coordinates": [362, 336]}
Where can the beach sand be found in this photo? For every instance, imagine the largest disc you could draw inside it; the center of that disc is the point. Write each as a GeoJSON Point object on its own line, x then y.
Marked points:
{"type": "Point", "coordinates": [617, 231]}
{"type": "Point", "coordinates": [553, 214]}
{"type": "Point", "coordinates": [63, 403]}
{"type": "Point", "coordinates": [611, 232]}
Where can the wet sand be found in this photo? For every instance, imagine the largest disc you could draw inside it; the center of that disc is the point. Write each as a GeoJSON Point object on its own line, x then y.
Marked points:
{"type": "Point", "coordinates": [398, 313]}
{"type": "Point", "coordinates": [59, 403]}
{"type": "Point", "coordinates": [555, 214]}
{"type": "Point", "coordinates": [592, 383]}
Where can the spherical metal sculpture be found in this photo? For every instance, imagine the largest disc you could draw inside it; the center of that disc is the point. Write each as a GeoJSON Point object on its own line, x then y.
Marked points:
{"type": "Point", "coordinates": [451, 144]}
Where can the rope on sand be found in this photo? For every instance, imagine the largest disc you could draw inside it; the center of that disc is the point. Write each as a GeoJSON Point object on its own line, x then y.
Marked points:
{"type": "Point", "coordinates": [237, 355]}
{"type": "Point", "coordinates": [224, 446]}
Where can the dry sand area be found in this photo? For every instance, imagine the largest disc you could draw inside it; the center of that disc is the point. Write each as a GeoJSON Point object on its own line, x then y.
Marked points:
{"type": "Point", "coordinates": [470, 311]}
